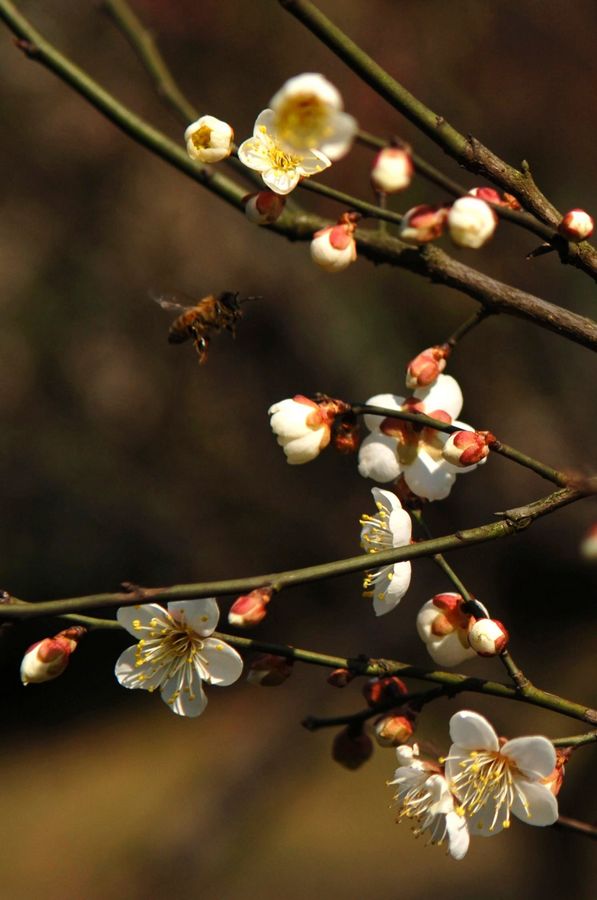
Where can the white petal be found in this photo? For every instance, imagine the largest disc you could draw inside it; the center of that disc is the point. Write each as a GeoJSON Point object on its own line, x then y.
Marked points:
{"type": "Point", "coordinates": [458, 835]}
{"type": "Point", "coordinates": [386, 401]}
{"type": "Point", "coordinates": [184, 699]}
{"type": "Point", "coordinates": [281, 181]}
{"type": "Point", "coordinates": [224, 664]}
{"type": "Point", "coordinates": [132, 676]}
{"type": "Point", "coordinates": [472, 732]}
{"type": "Point", "coordinates": [201, 616]}
{"type": "Point", "coordinates": [535, 756]}
{"type": "Point", "coordinates": [253, 154]}
{"type": "Point", "coordinates": [289, 418]}
{"type": "Point", "coordinates": [444, 394]}
{"type": "Point", "coordinates": [425, 619]}
{"type": "Point", "coordinates": [313, 162]}
{"type": "Point", "coordinates": [378, 459]}
{"type": "Point", "coordinates": [429, 478]}
{"type": "Point", "coordinates": [265, 119]}
{"type": "Point", "coordinates": [339, 142]}
{"type": "Point", "coordinates": [539, 807]}
{"type": "Point", "coordinates": [480, 823]}
{"type": "Point", "coordinates": [304, 449]}
{"type": "Point", "coordinates": [390, 591]}
{"type": "Point", "coordinates": [137, 618]}
{"type": "Point", "coordinates": [400, 525]}
{"type": "Point", "coordinates": [388, 500]}
{"type": "Point", "coordinates": [448, 650]}
{"type": "Point", "coordinates": [308, 83]}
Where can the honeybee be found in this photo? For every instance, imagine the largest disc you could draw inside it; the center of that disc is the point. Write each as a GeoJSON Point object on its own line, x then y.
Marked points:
{"type": "Point", "coordinates": [197, 320]}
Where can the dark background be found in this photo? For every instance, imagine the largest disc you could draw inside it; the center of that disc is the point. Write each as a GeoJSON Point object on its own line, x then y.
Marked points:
{"type": "Point", "coordinates": [122, 459]}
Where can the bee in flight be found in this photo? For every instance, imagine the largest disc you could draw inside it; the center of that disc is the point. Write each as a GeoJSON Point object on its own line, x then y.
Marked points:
{"type": "Point", "coordinates": [198, 320]}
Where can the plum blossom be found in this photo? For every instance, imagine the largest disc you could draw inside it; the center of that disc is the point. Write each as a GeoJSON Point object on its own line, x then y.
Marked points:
{"type": "Point", "coordinates": [392, 170]}
{"type": "Point", "coordinates": [396, 447]}
{"type": "Point", "coordinates": [307, 115]}
{"type": "Point", "coordinates": [577, 225]}
{"type": "Point", "coordinates": [209, 140]}
{"type": "Point", "coordinates": [48, 658]}
{"type": "Point", "coordinates": [281, 169]}
{"type": "Point", "coordinates": [175, 653]}
{"type": "Point", "coordinates": [334, 248]}
{"type": "Point", "coordinates": [471, 222]}
{"type": "Point", "coordinates": [444, 627]}
{"type": "Point", "coordinates": [302, 428]}
{"type": "Point", "coordinates": [390, 527]}
{"type": "Point", "coordinates": [493, 780]}
{"type": "Point", "coordinates": [423, 796]}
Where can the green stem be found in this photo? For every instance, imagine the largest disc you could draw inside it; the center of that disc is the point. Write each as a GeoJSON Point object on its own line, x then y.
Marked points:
{"type": "Point", "coordinates": [514, 520]}
{"type": "Point", "coordinates": [452, 682]}
{"type": "Point", "coordinates": [576, 740]}
{"type": "Point", "coordinates": [143, 42]}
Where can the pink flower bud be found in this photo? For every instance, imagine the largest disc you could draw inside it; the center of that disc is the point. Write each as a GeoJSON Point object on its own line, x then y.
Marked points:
{"type": "Point", "coordinates": [488, 194]}
{"type": "Point", "coordinates": [269, 670]}
{"type": "Point", "coordinates": [577, 225]}
{"type": "Point", "coordinates": [471, 222]}
{"type": "Point", "coordinates": [47, 659]}
{"type": "Point", "coordinates": [422, 224]}
{"type": "Point", "coordinates": [488, 637]}
{"type": "Point", "coordinates": [466, 448]}
{"type": "Point", "coordinates": [340, 677]}
{"type": "Point", "coordinates": [334, 248]}
{"type": "Point", "coordinates": [392, 170]}
{"type": "Point", "coordinates": [264, 208]}
{"type": "Point", "coordinates": [250, 609]}
{"type": "Point", "coordinates": [425, 368]}
{"type": "Point", "coordinates": [351, 749]}
{"type": "Point", "coordinates": [389, 689]}
{"type": "Point", "coordinates": [392, 730]}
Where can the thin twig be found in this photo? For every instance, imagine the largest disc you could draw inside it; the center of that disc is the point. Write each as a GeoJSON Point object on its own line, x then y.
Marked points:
{"type": "Point", "coordinates": [567, 824]}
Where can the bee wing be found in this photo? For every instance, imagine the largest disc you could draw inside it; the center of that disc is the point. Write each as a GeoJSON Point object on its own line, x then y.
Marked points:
{"type": "Point", "coordinates": [176, 301]}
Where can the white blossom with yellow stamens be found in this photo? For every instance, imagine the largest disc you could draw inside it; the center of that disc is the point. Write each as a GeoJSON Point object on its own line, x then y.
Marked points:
{"type": "Point", "coordinates": [390, 527]}
{"type": "Point", "coordinates": [308, 116]}
{"type": "Point", "coordinates": [209, 140]}
{"type": "Point", "coordinates": [175, 653]}
{"type": "Point", "coordinates": [280, 168]}
{"type": "Point", "coordinates": [492, 780]}
{"type": "Point", "coordinates": [423, 798]}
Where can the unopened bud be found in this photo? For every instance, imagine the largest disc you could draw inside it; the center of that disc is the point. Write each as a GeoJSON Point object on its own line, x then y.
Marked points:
{"type": "Point", "coordinates": [471, 222]}
{"type": "Point", "coordinates": [351, 749]}
{"type": "Point", "coordinates": [250, 609]}
{"type": "Point", "coordinates": [588, 547]}
{"type": "Point", "coordinates": [269, 670]}
{"type": "Point", "coordinates": [425, 368]}
{"type": "Point", "coordinates": [334, 248]}
{"type": "Point", "coordinates": [407, 754]}
{"type": "Point", "coordinates": [392, 730]}
{"type": "Point", "coordinates": [488, 637]}
{"type": "Point", "coordinates": [49, 658]}
{"type": "Point", "coordinates": [488, 194]}
{"type": "Point", "coordinates": [340, 677]}
{"type": "Point", "coordinates": [387, 690]}
{"type": "Point", "coordinates": [466, 448]}
{"type": "Point", "coordinates": [392, 170]}
{"type": "Point", "coordinates": [264, 208]}
{"type": "Point", "coordinates": [577, 225]}
{"type": "Point", "coordinates": [422, 224]}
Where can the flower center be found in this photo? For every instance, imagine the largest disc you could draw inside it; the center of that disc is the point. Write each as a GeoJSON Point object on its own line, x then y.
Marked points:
{"type": "Point", "coordinates": [170, 650]}
{"type": "Point", "coordinates": [411, 437]}
{"type": "Point", "coordinates": [280, 159]}
{"type": "Point", "coordinates": [376, 534]}
{"type": "Point", "coordinates": [303, 119]}
{"type": "Point", "coordinates": [416, 805]}
{"type": "Point", "coordinates": [487, 778]}
{"type": "Point", "coordinates": [201, 138]}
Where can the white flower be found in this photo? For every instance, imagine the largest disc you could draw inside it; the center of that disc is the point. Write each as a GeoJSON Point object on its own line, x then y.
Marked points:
{"type": "Point", "coordinates": [334, 248]}
{"type": "Point", "coordinates": [209, 140]}
{"type": "Point", "coordinates": [471, 222]}
{"type": "Point", "coordinates": [493, 781]}
{"type": "Point", "coordinates": [396, 447]}
{"type": "Point", "coordinates": [488, 637]}
{"type": "Point", "coordinates": [280, 169]}
{"type": "Point", "coordinates": [423, 796]}
{"type": "Point", "coordinates": [391, 527]}
{"type": "Point", "coordinates": [175, 653]}
{"type": "Point", "coordinates": [301, 427]}
{"type": "Point", "coordinates": [443, 627]}
{"type": "Point", "coordinates": [308, 115]}
{"type": "Point", "coordinates": [392, 170]}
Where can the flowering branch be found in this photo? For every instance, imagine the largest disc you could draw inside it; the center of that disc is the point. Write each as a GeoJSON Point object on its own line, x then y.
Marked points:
{"type": "Point", "coordinates": [429, 262]}
{"type": "Point", "coordinates": [466, 150]}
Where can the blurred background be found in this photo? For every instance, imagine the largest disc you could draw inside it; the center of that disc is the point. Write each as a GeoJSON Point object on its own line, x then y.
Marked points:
{"type": "Point", "coordinates": [121, 459]}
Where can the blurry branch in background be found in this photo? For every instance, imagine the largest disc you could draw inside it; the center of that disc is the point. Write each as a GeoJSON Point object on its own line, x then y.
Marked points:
{"type": "Point", "coordinates": [567, 824]}
{"type": "Point", "coordinates": [430, 262]}
{"type": "Point", "coordinates": [466, 150]}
